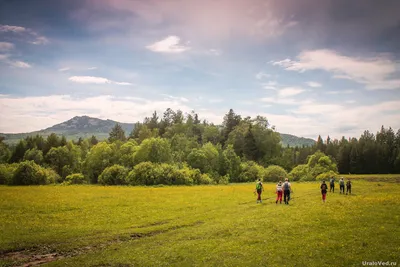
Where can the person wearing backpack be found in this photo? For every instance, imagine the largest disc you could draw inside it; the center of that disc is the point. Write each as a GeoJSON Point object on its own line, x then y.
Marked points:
{"type": "Point", "coordinates": [259, 189]}
{"type": "Point", "coordinates": [348, 187]}
{"type": "Point", "coordinates": [341, 183]}
{"type": "Point", "coordinates": [324, 190]}
{"type": "Point", "coordinates": [279, 192]}
{"type": "Point", "coordinates": [287, 187]}
{"type": "Point", "coordinates": [332, 185]}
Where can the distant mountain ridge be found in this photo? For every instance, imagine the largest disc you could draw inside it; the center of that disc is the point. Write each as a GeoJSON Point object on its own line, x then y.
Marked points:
{"type": "Point", "coordinates": [85, 126]}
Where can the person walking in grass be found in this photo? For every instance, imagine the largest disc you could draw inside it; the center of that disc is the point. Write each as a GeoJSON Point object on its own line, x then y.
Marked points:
{"type": "Point", "coordinates": [287, 187]}
{"type": "Point", "coordinates": [332, 185]}
{"type": "Point", "coordinates": [348, 187]}
{"type": "Point", "coordinates": [279, 192]}
{"type": "Point", "coordinates": [259, 189]}
{"type": "Point", "coordinates": [341, 184]}
{"type": "Point", "coordinates": [324, 189]}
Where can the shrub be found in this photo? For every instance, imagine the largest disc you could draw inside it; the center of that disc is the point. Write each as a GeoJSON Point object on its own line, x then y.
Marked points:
{"type": "Point", "coordinates": [250, 171]}
{"type": "Point", "coordinates": [326, 176]}
{"type": "Point", "coordinates": [52, 176]}
{"type": "Point", "coordinates": [7, 172]}
{"type": "Point", "coordinates": [144, 173]}
{"type": "Point", "coordinates": [75, 178]}
{"type": "Point", "coordinates": [301, 172]}
{"type": "Point", "coordinates": [274, 173]}
{"type": "Point", "coordinates": [29, 173]}
{"type": "Point", "coordinates": [114, 175]}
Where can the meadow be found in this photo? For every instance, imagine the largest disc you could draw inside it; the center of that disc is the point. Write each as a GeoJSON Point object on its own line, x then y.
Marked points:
{"type": "Point", "coordinates": [216, 225]}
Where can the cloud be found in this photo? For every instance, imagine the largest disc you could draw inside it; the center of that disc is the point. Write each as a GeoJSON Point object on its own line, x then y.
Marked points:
{"type": "Point", "coordinates": [286, 101]}
{"type": "Point", "coordinates": [270, 85]}
{"type": "Point", "coordinates": [14, 63]}
{"type": "Point", "coordinates": [27, 114]}
{"type": "Point", "coordinates": [92, 68]}
{"type": "Point", "coordinates": [20, 64]}
{"type": "Point", "coordinates": [180, 98]}
{"type": "Point", "coordinates": [290, 91]}
{"type": "Point", "coordinates": [64, 69]}
{"type": "Point", "coordinates": [340, 92]}
{"type": "Point", "coordinates": [40, 40]}
{"type": "Point", "coordinates": [9, 28]}
{"type": "Point", "coordinates": [168, 45]}
{"type": "Point", "coordinates": [6, 46]}
{"type": "Point", "coordinates": [375, 73]}
{"type": "Point", "coordinates": [214, 52]}
{"type": "Point", "coordinates": [204, 21]}
{"type": "Point", "coordinates": [95, 80]}
{"type": "Point", "coordinates": [314, 84]}
{"type": "Point", "coordinates": [261, 75]}
{"type": "Point", "coordinates": [34, 37]}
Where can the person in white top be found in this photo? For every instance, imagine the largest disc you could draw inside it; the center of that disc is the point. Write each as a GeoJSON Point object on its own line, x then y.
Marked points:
{"type": "Point", "coordinates": [287, 188]}
{"type": "Point", "coordinates": [279, 192]}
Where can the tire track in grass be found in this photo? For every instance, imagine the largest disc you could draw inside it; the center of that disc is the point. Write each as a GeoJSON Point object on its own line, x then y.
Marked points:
{"type": "Point", "coordinates": [38, 256]}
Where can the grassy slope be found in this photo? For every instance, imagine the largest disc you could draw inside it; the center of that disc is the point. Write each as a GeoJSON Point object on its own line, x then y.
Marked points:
{"type": "Point", "coordinates": [202, 225]}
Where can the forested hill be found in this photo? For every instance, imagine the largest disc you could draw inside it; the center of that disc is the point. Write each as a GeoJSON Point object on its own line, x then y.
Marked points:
{"type": "Point", "coordinates": [85, 127]}
{"type": "Point", "coordinates": [293, 141]}
{"type": "Point", "coordinates": [79, 126]}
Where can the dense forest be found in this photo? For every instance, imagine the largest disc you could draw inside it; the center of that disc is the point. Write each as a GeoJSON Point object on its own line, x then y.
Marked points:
{"type": "Point", "coordinates": [180, 149]}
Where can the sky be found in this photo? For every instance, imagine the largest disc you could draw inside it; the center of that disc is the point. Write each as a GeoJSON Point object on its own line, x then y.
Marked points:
{"type": "Point", "coordinates": [311, 67]}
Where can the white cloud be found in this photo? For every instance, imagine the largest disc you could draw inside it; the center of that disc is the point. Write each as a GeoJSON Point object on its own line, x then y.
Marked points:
{"type": "Point", "coordinates": [20, 64]}
{"type": "Point", "coordinates": [179, 98]}
{"type": "Point", "coordinates": [340, 92]}
{"type": "Point", "coordinates": [14, 63]}
{"type": "Point", "coordinates": [34, 37]}
{"type": "Point", "coordinates": [168, 45]}
{"type": "Point", "coordinates": [314, 84]}
{"type": "Point", "coordinates": [271, 85]}
{"type": "Point", "coordinates": [95, 80]}
{"type": "Point", "coordinates": [92, 68]}
{"type": "Point", "coordinates": [64, 69]}
{"type": "Point", "coordinates": [350, 101]}
{"type": "Point", "coordinates": [40, 40]}
{"type": "Point", "coordinates": [34, 113]}
{"type": "Point", "coordinates": [286, 101]}
{"type": "Point", "coordinates": [261, 75]}
{"type": "Point", "coordinates": [290, 91]}
{"type": "Point", "coordinates": [374, 73]}
{"type": "Point", "coordinates": [214, 52]}
{"type": "Point", "coordinates": [10, 28]}
{"type": "Point", "coordinates": [6, 46]}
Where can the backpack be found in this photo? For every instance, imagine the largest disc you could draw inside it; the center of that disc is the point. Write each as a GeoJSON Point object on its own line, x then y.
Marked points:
{"type": "Point", "coordinates": [286, 186]}
{"type": "Point", "coordinates": [323, 186]}
{"type": "Point", "coordinates": [258, 186]}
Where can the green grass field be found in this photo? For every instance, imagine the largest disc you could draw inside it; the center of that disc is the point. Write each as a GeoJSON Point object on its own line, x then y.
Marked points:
{"type": "Point", "coordinates": [198, 226]}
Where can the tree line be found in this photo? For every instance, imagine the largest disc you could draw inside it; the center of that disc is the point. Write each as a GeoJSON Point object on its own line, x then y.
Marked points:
{"type": "Point", "coordinates": [180, 149]}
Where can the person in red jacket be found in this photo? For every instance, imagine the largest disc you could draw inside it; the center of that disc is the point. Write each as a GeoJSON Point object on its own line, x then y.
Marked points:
{"type": "Point", "coordinates": [324, 189]}
{"type": "Point", "coordinates": [279, 192]}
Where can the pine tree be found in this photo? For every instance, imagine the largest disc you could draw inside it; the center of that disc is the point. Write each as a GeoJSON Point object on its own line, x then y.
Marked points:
{"type": "Point", "coordinates": [117, 133]}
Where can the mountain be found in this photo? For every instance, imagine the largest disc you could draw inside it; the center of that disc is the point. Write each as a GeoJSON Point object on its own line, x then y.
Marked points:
{"type": "Point", "coordinates": [292, 140]}
{"type": "Point", "coordinates": [84, 126]}
{"type": "Point", "coordinates": [79, 126]}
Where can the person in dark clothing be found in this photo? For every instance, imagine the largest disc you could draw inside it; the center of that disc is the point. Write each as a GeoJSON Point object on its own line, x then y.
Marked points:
{"type": "Point", "coordinates": [287, 187]}
{"type": "Point", "coordinates": [348, 187]}
{"type": "Point", "coordinates": [332, 185]}
{"type": "Point", "coordinates": [324, 190]}
{"type": "Point", "coordinates": [341, 184]}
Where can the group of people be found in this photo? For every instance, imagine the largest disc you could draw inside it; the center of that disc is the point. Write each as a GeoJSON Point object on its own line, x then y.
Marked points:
{"type": "Point", "coordinates": [284, 189]}
{"type": "Point", "coordinates": [324, 187]}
